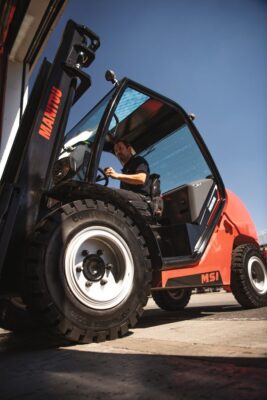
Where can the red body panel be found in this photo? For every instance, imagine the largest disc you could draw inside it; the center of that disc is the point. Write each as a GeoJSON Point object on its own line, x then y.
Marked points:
{"type": "Point", "coordinates": [234, 226]}
{"type": "Point", "coordinates": [240, 217]}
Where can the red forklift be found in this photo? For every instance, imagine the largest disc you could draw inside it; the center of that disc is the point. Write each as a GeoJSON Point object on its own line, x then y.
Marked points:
{"type": "Point", "coordinates": [79, 257]}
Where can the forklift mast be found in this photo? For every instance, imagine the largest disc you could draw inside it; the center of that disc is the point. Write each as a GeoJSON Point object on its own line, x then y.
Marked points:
{"type": "Point", "coordinates": [28, 170]}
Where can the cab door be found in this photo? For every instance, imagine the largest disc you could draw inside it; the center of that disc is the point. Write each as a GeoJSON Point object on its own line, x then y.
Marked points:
{"type": "Point", "coordinates": [193, 192]}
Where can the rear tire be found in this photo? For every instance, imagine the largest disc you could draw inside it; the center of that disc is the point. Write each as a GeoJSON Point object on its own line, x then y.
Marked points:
{"type": "Point", "coordinates": [173, 299]}
{"type": "Point", "coordinates": [88, 272]}
{"type": "Point", "coordinates": [249, 276]}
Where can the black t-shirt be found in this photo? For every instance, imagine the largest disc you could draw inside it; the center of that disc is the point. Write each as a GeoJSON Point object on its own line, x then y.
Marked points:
{"type": "Point", "coordinates": [135, 165]}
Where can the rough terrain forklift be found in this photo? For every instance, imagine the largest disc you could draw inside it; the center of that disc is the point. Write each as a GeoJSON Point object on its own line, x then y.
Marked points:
{"type": "Point", "coordinates": [82, 255]}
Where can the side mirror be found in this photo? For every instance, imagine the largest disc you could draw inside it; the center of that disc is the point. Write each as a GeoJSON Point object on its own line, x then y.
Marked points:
{"type": "Point", "coordinates": [191, 116]}
{"type": "Point", "coordinates": [111, 77]}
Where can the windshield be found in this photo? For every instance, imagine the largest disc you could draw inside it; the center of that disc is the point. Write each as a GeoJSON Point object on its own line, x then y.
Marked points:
{"type": "Point", "coordinates": [85, 130]}
{"type": "Point", "coordinates": [129, 102]}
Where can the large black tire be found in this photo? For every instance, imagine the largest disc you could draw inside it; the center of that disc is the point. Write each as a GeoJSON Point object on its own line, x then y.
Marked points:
{"type": "Point", "coordinates": [88, 271]}
{"type": "Point", "coordinates": [173, 299]}
{"type": "Point", "coordinates": [249, 276]}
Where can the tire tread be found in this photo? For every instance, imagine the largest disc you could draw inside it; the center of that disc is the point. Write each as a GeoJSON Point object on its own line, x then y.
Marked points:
{"type": "Point", "coordinates": [37, 298]}
{"type": "Point", "coordinates": [240, 285]}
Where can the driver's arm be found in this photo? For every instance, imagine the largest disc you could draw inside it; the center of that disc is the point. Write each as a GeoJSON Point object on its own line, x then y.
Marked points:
{"type": "Point", "coordinates": [134, 179]}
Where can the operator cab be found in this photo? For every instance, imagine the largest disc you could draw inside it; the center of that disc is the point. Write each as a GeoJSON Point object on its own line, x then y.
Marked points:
{"type": "Point", "coordinates": [163, 133]}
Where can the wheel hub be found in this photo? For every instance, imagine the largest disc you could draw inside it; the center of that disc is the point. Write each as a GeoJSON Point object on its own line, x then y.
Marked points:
{"type": "Point", "coordinates": [99, 267]}
{"type": "Point", "coordinates": [257, 275]}
{"type": "Point", "coordinates": [93, 268]}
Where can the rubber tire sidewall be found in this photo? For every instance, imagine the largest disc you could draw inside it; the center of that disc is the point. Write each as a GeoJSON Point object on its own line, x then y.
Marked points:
{"type": "Point", "coordinates": [165, 301]}
{"type": "Point", "coordinates": [241, 286]}
{"type": "Point", "coordinates": [52, 272]}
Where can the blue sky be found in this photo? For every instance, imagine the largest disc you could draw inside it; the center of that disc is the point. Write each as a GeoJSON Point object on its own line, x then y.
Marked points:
{"type": "Point", "coordinates": [210, 56]}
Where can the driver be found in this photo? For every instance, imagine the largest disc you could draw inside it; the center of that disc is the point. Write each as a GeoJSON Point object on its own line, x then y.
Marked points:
{"type": "Point", "coordinates": [134, 175]}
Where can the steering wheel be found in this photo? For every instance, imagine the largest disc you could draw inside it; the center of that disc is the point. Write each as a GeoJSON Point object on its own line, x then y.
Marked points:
{"type": "Point", "coordinates": [102, 177]}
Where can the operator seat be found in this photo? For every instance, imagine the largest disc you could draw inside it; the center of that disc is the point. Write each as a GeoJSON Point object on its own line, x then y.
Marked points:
{"type": "Point", "coordinates": [156, 201]}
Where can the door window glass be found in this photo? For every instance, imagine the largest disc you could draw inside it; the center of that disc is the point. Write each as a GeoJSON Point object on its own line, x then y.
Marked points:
{"type": "Point", "coordinates": [177, 159]}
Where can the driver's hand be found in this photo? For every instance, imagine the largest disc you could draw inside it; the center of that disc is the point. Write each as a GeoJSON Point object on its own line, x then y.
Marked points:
{"type": "Point", "coordinates": [110, 172]}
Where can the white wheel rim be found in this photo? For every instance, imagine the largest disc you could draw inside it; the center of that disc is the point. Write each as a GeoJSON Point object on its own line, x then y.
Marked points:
{"type": "Point", "coordinates": [257, 275]}
{"type": "Point", "coordinates": [114, 270]}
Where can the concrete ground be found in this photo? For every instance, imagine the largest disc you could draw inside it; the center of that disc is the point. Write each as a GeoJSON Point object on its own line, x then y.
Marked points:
{"type": "Point", "coordinates": [211, 350]}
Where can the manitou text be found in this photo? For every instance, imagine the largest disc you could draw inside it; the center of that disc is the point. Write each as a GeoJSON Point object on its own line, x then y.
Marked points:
{"type": "Point", "coordinates": [50, 113]}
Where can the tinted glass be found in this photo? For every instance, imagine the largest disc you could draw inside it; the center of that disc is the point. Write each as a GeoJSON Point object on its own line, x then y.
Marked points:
{"type": "Point", "coordinates": [129, 102]}
{"type": "Point", "coordinates": [86, 129]}
{"type": "Point", "coordinates": [177, 159]}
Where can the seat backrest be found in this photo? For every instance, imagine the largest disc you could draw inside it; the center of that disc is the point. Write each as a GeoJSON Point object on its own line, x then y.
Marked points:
{"type": "Point", "coordinates": [186, 203]}
{"type": "Point", "coordinates": [154, 185]}
{"type": "Point", "coordinates": [155, 194]}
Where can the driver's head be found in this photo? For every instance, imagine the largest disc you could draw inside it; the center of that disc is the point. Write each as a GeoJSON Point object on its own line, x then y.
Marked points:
{"type": "Point", "coordinates": [123, 150]}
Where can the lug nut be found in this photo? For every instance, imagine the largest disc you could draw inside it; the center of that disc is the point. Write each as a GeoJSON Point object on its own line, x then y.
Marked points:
{"type": "Point", "coordinates": [99, 252]}
{"type": "Point", "coordinates": [79, 269]}
{"type": "Point", "coordinates": [88, 284]}
{"type": "Point", "coordinates": [103, 282]}
{"type": "Point", "coordinates": [85, 253]}
{"type": "Point", "coordinates": [109, 267]}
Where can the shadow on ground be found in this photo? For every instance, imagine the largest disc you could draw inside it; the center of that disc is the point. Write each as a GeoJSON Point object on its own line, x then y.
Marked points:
{"type": "Point", "coordinates": [38, 338]}
{"type": "Point", "coordinates": [157, 317]}
{"type": "Point", "coordinates": [85, 373]}
{"type": "Point", "coordinates": [34, 365]}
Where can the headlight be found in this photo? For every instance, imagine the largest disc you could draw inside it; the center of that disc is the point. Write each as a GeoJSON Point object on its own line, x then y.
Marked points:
{"type": "Point", "coordinates": [63, 168]}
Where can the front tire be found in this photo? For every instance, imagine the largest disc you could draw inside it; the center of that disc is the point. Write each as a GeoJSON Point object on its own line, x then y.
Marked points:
{"type": "Point", "coordinates": [249, 276]}
{"type": "Point", "coordinates": [172, 299]}
{"type": "Point", "coordinates": [88, 273]}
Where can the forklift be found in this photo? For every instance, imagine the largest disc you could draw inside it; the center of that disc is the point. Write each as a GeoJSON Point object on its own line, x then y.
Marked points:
{"type": "Point", "coordinates": [80, 257]}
